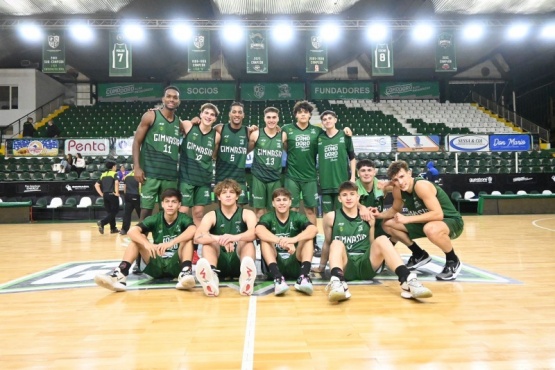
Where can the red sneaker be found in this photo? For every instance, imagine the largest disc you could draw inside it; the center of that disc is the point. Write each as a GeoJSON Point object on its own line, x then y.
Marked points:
{"type": "Point", "coordinates": [195, 257]}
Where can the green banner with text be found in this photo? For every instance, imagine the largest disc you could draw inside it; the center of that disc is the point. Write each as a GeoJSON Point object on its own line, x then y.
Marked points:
{"type": "Point", "coordinates": [209, 90]}
{"type": "Point", "coordinates": [316, 54]}
{"type": "Point", "coordinates": [342, 90]}
{"type": "Point", "coordinates": [446, 58]}
{"type": "Point", "coordinates": [120, 56]}
{"type": "Point", "coordinates": [54, 53]}
{"type": "Point", "coordinates": [409, 90]}
{"type": "Point", "coordinates": [257, 52]}
{"type": "Point", "coordinates": [199, 52]}
{"type": "Point", "coordinates": [118, 92]}
{"type": "Point", "coordinates": [272, 91]}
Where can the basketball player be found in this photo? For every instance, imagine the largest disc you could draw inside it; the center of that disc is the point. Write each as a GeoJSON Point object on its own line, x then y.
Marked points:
{"type": "Point", "coordinates": [170, 253]}
{"type": "Point", "coordinates": [283, 230]}
{"type": "Point", "coordinates": [226, 235]}
{"type": "Point", "coordinates": [354, 254]}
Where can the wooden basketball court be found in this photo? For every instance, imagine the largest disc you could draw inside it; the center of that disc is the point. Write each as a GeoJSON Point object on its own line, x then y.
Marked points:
{"type": "Point", "coordinates": [465, 325]}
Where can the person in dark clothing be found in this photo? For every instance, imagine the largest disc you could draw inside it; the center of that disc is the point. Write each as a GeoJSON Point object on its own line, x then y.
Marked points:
{"type": "Point", "coordinates": [29, 128]}
{"type": "Point", "coordinates": [132, 201]}
{"type": "Point", "coordinates": [52, 130]}
{"type": "Point", "coordinates": [108, 188]}
{"type": "Point", "coordinates": [432, 174]}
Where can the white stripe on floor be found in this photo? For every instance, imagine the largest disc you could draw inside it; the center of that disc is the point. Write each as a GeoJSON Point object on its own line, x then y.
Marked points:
{"type": "Point", "coordinates": [248, 348]}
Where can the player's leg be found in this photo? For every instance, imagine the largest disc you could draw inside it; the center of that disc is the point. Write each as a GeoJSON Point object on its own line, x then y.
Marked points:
{"type": "Point", "coordinates": [405, 234]}
{"type": "Point", "coordinates": [304, 254]}
{"type": "Point", "coordinates": [338, 259]}
{"type": "Point", "coordinates": [246, 253]}
{"type": "Point", "coordinates": [270, 256]}
{"type": "Point", "coordinates": [440, 233]}
{"type": "Point", "coordinates": [185, 279]}
{"type": "Point", "coordinates": [116, 279]}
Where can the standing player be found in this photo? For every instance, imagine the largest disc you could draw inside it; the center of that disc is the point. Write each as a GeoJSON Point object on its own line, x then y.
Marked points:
{"type": "Point", "coordinates": [226, 235]}
{"type": "Point", "coordinates": [281, 231]}
{"type": "Point", "coordinates": [354, 254]}
{"type": "Point", "coordinates": [266, 165]}
{"type": "Point", "coordinates": [336, 160]}
{"type": "Point", "coordinates": [169, 256]}
{"type": "Point", "coordinates": [430, 215]}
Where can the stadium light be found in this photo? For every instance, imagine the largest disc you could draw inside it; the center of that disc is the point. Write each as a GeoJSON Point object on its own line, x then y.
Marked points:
{"type": "Point", "coordinates": [329, 32]}
{"type": "Point", "coordinates": [81, 32]}
{"type": "Point", "coordinates": [548, 31]}
{"type": "Point", "coordinates": [377, 32]}
{"type": "Point", "coordinates": [133, 32]}
{"type": "Point", "coordinates": [423, 32]}
{"type": "Point", "coordinates": [282, 32]}
{"type": "Point", "coordinates": [473, 31]}
{"type": "Point", "coordinates": [233, 32]}
{"type": "Point", "coordinates": [30, 32]}
{"type": "Point", "coordinates": [518, 31]}
{"type": "Point", "coordinates": [182, 32]}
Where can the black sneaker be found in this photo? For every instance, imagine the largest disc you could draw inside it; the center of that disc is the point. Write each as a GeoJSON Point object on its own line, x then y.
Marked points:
{"type": "Point", "coordinates": [317, 252]}
{"type": "Point", "coordinates": [123, 232]}
{"type": "Point", "coordinates": [114, 231]}
{"type": "Point", "coordinates": [450, 271]}
{"type": "Point", "coordinates": [414, 263]}
{"type": "Point", "coordinates": [100, 227]}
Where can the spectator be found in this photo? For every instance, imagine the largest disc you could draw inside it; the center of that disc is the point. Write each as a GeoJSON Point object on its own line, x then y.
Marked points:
{"type": "Point", "coordinates": [432, 174]}
{"type": "Point", "coordinates": [52, 130]}
{"type": "Point", "coordinates": [79, 165]}
{"type": "Point", "coordinates": [122, 173]}
{"type": "Point", "coordinates": [66, 164]}
{"type": "Point", "coordinates": [29, 128]}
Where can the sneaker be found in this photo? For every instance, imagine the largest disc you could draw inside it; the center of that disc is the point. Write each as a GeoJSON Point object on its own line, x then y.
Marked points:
{"type": "Point", "coordinates": [414, 263]}
{"type": "Point", "coordinates": [123, 232]}
{"type": "Point", "coordinates": [412, 288]}
{"type": "Point", "coordinates": [450, 271]}
{"type": "Point", "coordinates": [100, 227]}
{"type": "Point", "coordinates": [115, 281]}
{"type": "Point", "coordinates": [114, 231]}
{"type": "Point", "coordinates": [280, 286]}
{"type": "Point", "coordinates": [304, 284]}
{"type": "Point", "coordinates": [208, 278]}
{"type": "Point", "coordinates": [185, 280]}
{"type": "Point", "coordinates": [317, 252]}
{"type": "Point", "coordinates": [195, 257]}
{"type": "Point", "coordinates": [247, 277]}
{"type": "Point", "coordinates": [137, 267]}
{"type": "Point", "coordinates": [338, 290]}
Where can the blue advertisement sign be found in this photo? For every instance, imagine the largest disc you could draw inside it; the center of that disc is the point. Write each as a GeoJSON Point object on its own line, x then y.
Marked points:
{"type": "Point", "coordinates": [509, 142]}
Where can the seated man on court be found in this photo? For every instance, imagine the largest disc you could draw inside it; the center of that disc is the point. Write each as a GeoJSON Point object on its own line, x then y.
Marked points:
{"type": "Point", "coordinates": [227, 235]}
{"type": "Point", "coordinates": [283, 230]}
{"type": "Point", "coordinates": [431, 214]}
{"type": "Point", "coordinates": [354, 254]}
{"type": "Point", "coordinates": [170, 253]}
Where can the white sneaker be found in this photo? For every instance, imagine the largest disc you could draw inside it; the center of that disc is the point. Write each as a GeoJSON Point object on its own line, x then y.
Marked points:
{"type": "Point", "coordinates": [247, 277]}
{"type": "Point", "coordinates": [412, 288]}
{"type": "Point", "coordinates": [115, 281]}
{"type": "Point", "coordinates": [280, 286]}
{"type": "Point", "coordinates": [304, 284]}
{"type": "Point", "coordinates": [338, 290]}
{"type": "Point", "coordinates": [207, 278]}
{"type": "Point", "coordinates": [185, 280]}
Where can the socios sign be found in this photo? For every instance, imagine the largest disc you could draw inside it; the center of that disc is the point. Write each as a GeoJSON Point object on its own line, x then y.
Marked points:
{"type": "Point", "coordinates": [468, 143]}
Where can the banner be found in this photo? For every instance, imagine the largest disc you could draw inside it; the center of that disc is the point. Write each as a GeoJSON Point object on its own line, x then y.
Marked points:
{"type": "Point", "coordinates": [409, 90]}
{"type": "Point", "coordinates": [199, 52]}
{"type": "Point", "coordinates": [316, 55]}
{"type": "Point", "coordinates": [32, 147]}
{"type": "Point", "coordinates": [87, 147]}
{"type": "Point", "coordinates": [418, 143]}
{"type": "Point", "coordinates": [120, 56]}
{"type": "Point", "coordinates": [446, 59]}
{"type": "Point", "coordinates": [382, 58]}
{"type": "Point", "coordinates": [377, 144]}
{"type": "Point", "coordinates": [124, 146]}
{"type": "Point", "coordinates": [210, 90]}
{"type": "Point", "coordinates": [467, 143]}
{"type": "Point", "coordinates": [257, 52]}
{"type": "Point", "coordinates": [118, 92]}
{"type": "Point", "coordinates": [342, 90]}
{"type": "Point", "coordinates": [54, 53]}
{"type": "Point", "coordinates": [510, 142]}
{"type": "Point", "coordinates": [272, 91]}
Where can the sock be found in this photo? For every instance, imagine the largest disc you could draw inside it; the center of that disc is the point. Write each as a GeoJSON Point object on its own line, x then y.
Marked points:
{"type": "Point", "coordinates": [337, 272]}
{"type": "Point", "coordinates": [186, 265]}
{"type": "Point", "coordinates": [451, 256]}
{"type": "Point", "coordinates": [416, 250]}
{"type": "Point", "coordinates": [124, 267]}
{"type": "Point", "coordinates": [403, 273]}
{"type": "Point", "coordinates": [273, 267]}
{"type": "Point", "coordinates": [305, 268]}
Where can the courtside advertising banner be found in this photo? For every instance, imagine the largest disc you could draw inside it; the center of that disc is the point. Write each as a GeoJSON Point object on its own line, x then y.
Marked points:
{"type": "Point", "coordinates": [124, 146]}
{"type": "Point", "coordinates": [365, 144]}
{"type": "Point", "coordinates": [418, 143]}
{"type": "Point", "coordinates": [468, 143]}
{"type": "Point", "coordinates": [87, 147]}
{"type": "Point", "coordinates": [510, 142]}
{"type": "Point", "coordinates": [32, 147]}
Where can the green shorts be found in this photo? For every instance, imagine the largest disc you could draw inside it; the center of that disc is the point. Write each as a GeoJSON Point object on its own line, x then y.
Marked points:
{"type": "Point", "coordinates": [261, 195]}
{"type": "Point", "coordinates": [163, 267]}
{"type": "Point", "coordinates": [151, 190]}
{"type": "Point", "coordinates": [455, 225]}
{"type": "Point", "coordinates": [289, 267]}
{"type": "Point", "coordinates": [194, 195]}
{"type": "Point", "coordinates": [359, 267]}
{"type": "Point", "coordinates": [309, 191]}
{"type": "Point", "coordinates": [228, 264]}
{"type": "Point", "coordinates": [330, 202]}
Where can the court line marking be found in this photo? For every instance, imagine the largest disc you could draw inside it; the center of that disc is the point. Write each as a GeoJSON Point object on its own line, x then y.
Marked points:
{"type": "Point", "coordinates": [248, 346]}
{"type": "Point", "coordinates": [541, 227]}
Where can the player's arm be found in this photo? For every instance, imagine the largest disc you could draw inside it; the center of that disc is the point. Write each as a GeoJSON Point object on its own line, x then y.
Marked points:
{"type": "Point", "coordinates": [353, 166]}
{"type": "Point", "coordinates": [264, 234]}
{"type": "Point", "coordinates": [185, 236]}
{"type": "Point", "coordinates": [284, 140]}
{"type": "Point", "coordinates": [308, 233]}
{"type": "Point", "coordinates": [249, 235]}
{"type": "Point", "coordinates": [217, 140]}
{"type": "Point", "coordinates": [395, 208]}
{"type": "Point", "coordinates": [327, 223]}
{"type": "Point", "coordinates": [219, 127]}
{"type": "Point", "coordinates": [427, 192]}
{"type": "Point", "coordinates": [138, 234]}
{"type": "Point", "coordinates": [146, 121]}
{"type": "Point", "coordinates": [186, 126]}
{"type": "Point", "coordinates": [253, 137]}
{"type": "Point", "coordinates": [202, 234]}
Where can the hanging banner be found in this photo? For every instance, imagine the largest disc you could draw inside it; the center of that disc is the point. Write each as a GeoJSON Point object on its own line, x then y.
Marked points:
{"type": "Point", "coordinates": [118, 92]}
{"type": "Point", "coordinates": [382, 58]}
{"type": "Point", "coordinates": [257, 52]}
{"type": "Point", "coordinates": [209, 90]}
{"type": "Point", "coordinates": [342, 90]}
{"type": "Point", "coordinates": [120, 56]}
{"type": "Point", "coordinates": [54, 53]}
{"type": "Point", "coordinates": [272, 91]}
{"type": "Point", "coordinates": [316, 54]}
{"type": "Point", "coordinates": [199, 52]}
{"type": "Point", "coordinates": [409, 90]}
{"type": "Point", "coordinates": [446, 59]}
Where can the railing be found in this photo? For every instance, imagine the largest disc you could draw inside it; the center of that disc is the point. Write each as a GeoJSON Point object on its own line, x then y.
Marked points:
{"type": "Point", "coordinates": [511, 116]}
{"type": "Point", "coordinates": [39, 113]}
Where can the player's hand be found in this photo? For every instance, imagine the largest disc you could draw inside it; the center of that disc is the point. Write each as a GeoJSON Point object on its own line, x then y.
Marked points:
{"type": "Point", "coordinates": [253, 128]}
{"type": "Point", "coordinates": [154, 109]}
{"type": "Point", "coordinates": [348, 131]}
{"type": "Point", "coordinates": [318, 269]}
{"type": "Point", "coordinates": [195, 121]}
{"type": "Point", "coordinates": [290, 248]}
{"type": "Point", "coordinates": [225, 239]}
{"type": "Point", "coordinates": [139, 175]}
{"type": "Point", "coordinates": [151, 248]}
{"type": "Point", "coordinates": [400, 218]}
{"type": "Point", "coordinates": [382, 184]}
{"type": "Point", "coordinates": [365, 213]}
{"type": "Point", "coordinates": [229, 247]}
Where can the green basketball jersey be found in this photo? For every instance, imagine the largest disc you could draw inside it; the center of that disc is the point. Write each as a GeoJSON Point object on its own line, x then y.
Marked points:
{"type": "Point", "coordinates": [195, 161]}
{"type": "Point", "coordinates": [232, 154]}
{"type": "Point", "coordinates": [163, 232]}
{"type": "Point", "coordinates": [353, 232]}
{"type": "Point", "coordinates": [295, 224]}
{"type": "Point", "coordinates": [266, 164]}
{"type": "Point", "coordinates": [302, 147]}
{"type": "Point", "coordinates": [234, 225]}
{"type": "Point", "coordinates": [333, 160]}
{"type": "Point", "coordinates": [374, 198]}
{"type": "Point", "coordinates": [416, 206]}
{"type": "Point", "coordinates": [160, 149]}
